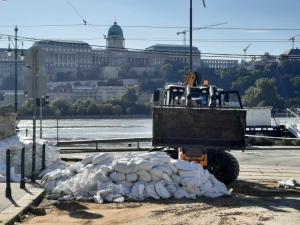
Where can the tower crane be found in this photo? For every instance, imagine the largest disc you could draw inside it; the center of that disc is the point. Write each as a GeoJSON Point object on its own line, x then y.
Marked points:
{"type": "Point", "coordinates": [293, 40]}
{"type": "Point", "coordinates": [245, 50]}
{"type": "Point", "coordinates": [196, 28]}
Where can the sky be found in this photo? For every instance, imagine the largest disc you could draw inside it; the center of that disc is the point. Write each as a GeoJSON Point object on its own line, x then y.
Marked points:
{"type": "Point", "coordinates": [265, 25]}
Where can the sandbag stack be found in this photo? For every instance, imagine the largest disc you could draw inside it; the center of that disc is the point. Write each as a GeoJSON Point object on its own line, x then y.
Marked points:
{"type": "Point", "coordinates": [15, 144]}
{"type": "Point", "coordinates": [106, 178]}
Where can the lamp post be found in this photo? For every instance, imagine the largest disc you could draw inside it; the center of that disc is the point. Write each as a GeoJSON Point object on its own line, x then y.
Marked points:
{"type": "Point", "coordinates": [22, 56]}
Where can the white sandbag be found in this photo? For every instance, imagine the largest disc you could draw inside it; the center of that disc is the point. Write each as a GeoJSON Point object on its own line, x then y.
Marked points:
{"type": "Point", "coordinates": [119, 189]}
{"type": "Point", "coordinates": [143, 176]}
{"type": "Point", "coordinates": [119, 199]}
{"type": "Point", "coordinates": [161, 190]}
{"type": "Point", "coordinates": [194, 180]}
{"type": "Point", "coordinates": [222, 188]}
{"type": "Point", "coordinates": [196, 166]}
{"type": "Point", "coordinates": [157, 163]}
{"type": "Point", "coordinates": [141, 164]}
{"type": "Point", "coordinates": [105, 170]}
{"type": "Point", "coordinates": [187, 173]}
{"type": "Point", "coordinates": [131, 177]}
{"type": "Point", "coordinates": [66, 198]}
{"type": "Point", "coordinates": [137, 191]}
{"type": "Point", "coordinates": [171, 188]}
{"type": "Point", "coordinates": [180, 193]}
{"type": "Point", "coordinates": [180, 164]}
{"type": "Point", "coordinates": [105, 162]}
{"type": "Point", "coordinates": [88, 159]}
{"type": "Point", "coordinates": [207, 186]}
{"type": "Point", "coordinates": [123, 165]}
{"type": "Point", "coordinates": [167, 177]}
{"type": "Point", "coordinates": [150, 191]}
{"type": "Point", "coordinates": [176, 179]}
{"type": "Point", "coordinates": [205, 177]}
{"type": "Point", "coordinates": [102, 156]}
{"type": "Point", "coordinates": [172, 167]}
{"type": "Point", "coordinates": [117, 176]}
{"type": "Point", "coordinates": [191, 188]}
{"type": "Point", "coordinates": [156, 174]}
{"type": "Point", "coordinates": [49, 186]}
{"type": "Point", "coordinates": [104, 185]}
{"type": "Point", "coordinates": [2, 178]}
{"type": "Point", "coordinates": [75, 167]}
{"type": "Point", "coordinates": [101, 177]}
{"type": "Point", "coordinates": [164, 158]}
{"type": "Point", "coordinates": [149, 155]}
{"type": "Point", "coordinates": [165, 169]}
{"type": "Point", "coordinates": [213, 179]}
{"type": "Point", "coordinates": [125, 185]}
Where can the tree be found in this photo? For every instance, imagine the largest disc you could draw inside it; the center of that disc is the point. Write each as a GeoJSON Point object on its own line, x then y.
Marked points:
{"type": "Point", "coordinates": [117, 109]}
{"type": "Point", "coordinates": [60, 103]}
{"type": "Point", "coordinates": [167, 71]}
{"type": "Point", "coordinates": [129, 96]}
{"type": "Point", "coordinates": [264, 93]}
{"type": "Point", "coordinates": [242, 83]}
{"type": "Point", "coordinates": [92, 108]}
{"type": "Point", "coordinates": [292, 102]}
{"type": "Point", "coordinates": [27, 107]}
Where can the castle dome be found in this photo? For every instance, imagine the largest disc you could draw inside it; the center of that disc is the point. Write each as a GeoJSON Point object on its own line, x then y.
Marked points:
{"type": "Point", "coordinates": [115, 30]}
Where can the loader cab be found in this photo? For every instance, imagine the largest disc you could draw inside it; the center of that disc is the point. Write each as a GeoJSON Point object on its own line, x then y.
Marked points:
{"type": "Point", "coordinates": [199, 96]}
{"type": "Point", "coordinates": [174, 95]}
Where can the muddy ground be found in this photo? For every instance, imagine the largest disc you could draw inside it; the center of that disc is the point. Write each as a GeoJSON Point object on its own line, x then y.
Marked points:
{"type": "Point", "coordinates": [251, 202]}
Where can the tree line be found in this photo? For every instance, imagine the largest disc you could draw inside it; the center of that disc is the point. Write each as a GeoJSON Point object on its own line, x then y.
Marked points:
{"type": "Point", "coordinates": [276, 84]}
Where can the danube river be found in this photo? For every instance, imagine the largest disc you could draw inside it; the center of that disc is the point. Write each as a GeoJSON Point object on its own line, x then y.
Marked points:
{"type": "Point", "coordinates": [89, 129]}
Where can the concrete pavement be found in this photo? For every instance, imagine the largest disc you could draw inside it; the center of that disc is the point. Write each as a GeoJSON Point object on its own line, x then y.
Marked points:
{"type": "Point", "coordinates": [12, 208]}
{"type": "Point", "coordinates": [17, 205]}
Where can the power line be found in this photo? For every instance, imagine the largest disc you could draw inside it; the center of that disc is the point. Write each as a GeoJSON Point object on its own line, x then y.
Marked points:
{"type": "Point", "coordinates": [155, 52]}
{"type": "Point", "coordinates": [155, 27]}
{"type": "Point", "coordinates": [84, 21]}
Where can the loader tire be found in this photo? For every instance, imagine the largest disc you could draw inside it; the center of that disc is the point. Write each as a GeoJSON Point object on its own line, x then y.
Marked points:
{"type": "Point", "coordinates": [223, 166]}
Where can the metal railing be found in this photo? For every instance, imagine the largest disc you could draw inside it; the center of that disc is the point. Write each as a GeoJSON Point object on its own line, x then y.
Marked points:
{"type": "Point", "coordinates": [99, 141]}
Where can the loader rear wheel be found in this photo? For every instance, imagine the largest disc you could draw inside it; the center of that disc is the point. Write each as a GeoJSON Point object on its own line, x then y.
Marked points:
{"type": "Point", "coordinates": [223, 166]}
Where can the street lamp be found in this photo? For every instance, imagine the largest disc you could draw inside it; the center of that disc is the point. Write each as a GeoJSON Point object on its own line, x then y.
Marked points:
{"type": "Point", "coordinates": [22, 56]}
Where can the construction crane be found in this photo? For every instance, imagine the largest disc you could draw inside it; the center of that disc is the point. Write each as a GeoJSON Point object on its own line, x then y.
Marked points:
{"type": "Point", "coordinates": [245, 50]}
{"type": "Point", "coordinates": [196, 28]}
{"type": "Point", "coordinates": [293, 40]}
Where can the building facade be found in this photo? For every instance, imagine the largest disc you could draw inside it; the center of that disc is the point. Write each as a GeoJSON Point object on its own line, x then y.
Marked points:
{"type": "Point", "coordinates": [219, 64]}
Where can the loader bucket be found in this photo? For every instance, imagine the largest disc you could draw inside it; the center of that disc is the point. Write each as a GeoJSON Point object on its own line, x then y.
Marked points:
{"type": "Point", "coordinates": [210, 128]}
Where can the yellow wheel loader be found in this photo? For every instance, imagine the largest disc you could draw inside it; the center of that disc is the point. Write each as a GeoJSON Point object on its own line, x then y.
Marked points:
{"type": "Point", "coordinates": [200, 123]}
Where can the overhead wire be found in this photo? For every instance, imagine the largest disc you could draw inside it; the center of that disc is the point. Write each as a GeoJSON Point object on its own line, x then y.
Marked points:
{"type": "Point", "coordinates": [84, 21]}
{"type": "Point", "coordinates": [155, 27]}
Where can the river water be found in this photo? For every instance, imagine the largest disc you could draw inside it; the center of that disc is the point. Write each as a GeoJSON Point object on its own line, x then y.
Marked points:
{"type": "Point", "coordinates": [89, 129]}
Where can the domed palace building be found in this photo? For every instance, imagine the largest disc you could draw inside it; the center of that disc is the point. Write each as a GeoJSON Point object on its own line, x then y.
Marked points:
{"type": "Point", "coordinates": [78, 60]}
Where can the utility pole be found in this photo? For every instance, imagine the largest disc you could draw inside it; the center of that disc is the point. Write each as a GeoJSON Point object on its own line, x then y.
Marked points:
{"type": "Point", "coordinates": [34, 88]}
{"type": "Point", "coordinates": [191, 35]}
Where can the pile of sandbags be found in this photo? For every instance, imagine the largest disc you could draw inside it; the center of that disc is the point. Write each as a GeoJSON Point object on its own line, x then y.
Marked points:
{"type": "Point", "coordinates": [105, 177]}
{"type": "Point", "coordinates": [15, 144]}
{"type": "Point", "coordinates": [289, 183]}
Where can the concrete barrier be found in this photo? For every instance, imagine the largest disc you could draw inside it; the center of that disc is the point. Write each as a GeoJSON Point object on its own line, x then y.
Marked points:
{"type": "Point", "coordinates": [7, 124]}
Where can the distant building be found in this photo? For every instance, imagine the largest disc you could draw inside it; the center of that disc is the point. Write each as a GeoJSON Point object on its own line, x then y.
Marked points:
{"type": "Point", "coordinates": [99, 94]}
{"type": "Point", "coordinates": [293, 53]}
{"type": "Point", "coordinates": [80, 59]}
{"type": "Point", "coordinates": [219, 64]}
